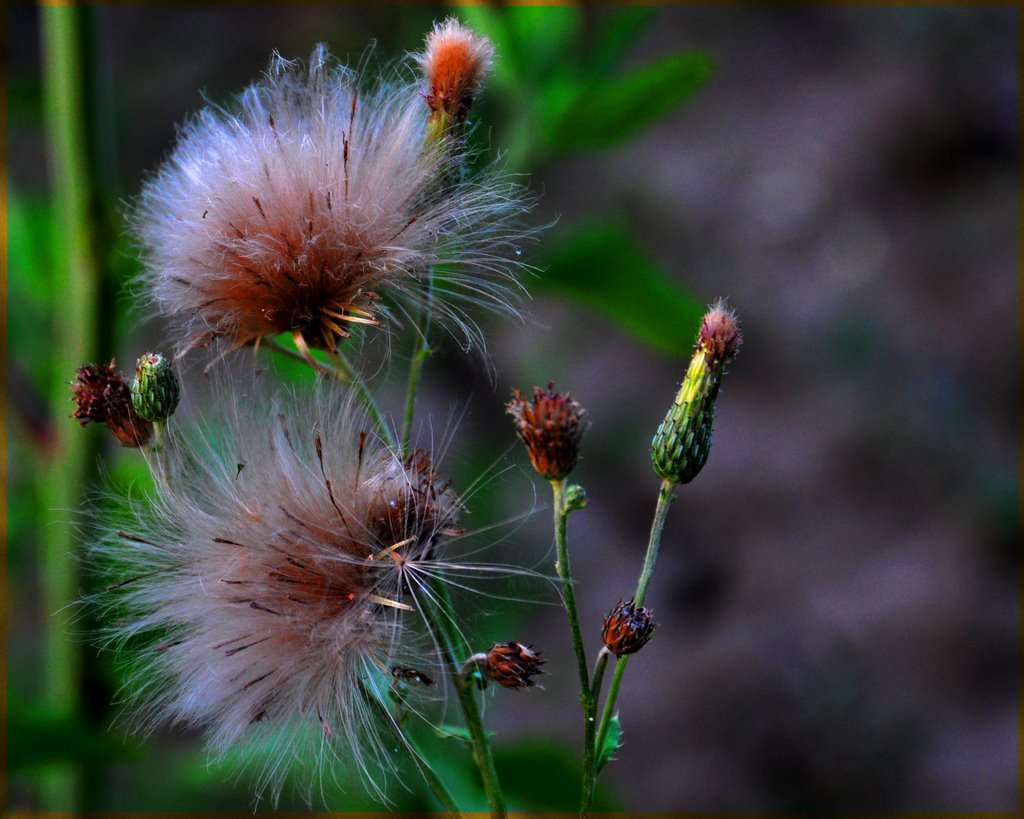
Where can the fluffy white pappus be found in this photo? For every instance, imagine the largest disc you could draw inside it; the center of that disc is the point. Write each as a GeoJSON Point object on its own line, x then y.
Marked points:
{"type": "Point", "coordinates": [271, 589]}
{"type": "Point", "coordinates": [314, 203]}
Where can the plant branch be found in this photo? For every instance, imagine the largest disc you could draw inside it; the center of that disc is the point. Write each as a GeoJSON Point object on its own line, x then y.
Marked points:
{"type": "Point", "coordinates": [420, 351]}
{"type": "Point", "coordinates": [665, 496]}
{"type": "Point", "coordinates": [564, 570]}
{"type": "Point", "coordinates": [440, 629]}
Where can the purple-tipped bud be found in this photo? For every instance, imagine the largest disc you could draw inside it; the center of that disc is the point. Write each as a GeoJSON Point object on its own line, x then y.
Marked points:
{"type": "Point", "coordinates": [102, 395]}
{"type": "Point", "coordinates": [627, 628]}
{"type": "Point", "coordinates": [681, 445]}
{"type": "Point", "coordinates": [512, 664]}
{"type": "Point", "coordinates": [551, 426]}
{"type": "Point", "coordinates": [720, 336]}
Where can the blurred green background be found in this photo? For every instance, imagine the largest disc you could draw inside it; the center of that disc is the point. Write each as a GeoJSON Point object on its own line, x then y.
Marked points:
{"type": "Point", "coordinates": [837, 590]}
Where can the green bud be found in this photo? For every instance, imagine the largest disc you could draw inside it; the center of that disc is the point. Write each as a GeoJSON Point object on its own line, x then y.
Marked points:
{"type": "Point", "coordinates": [681, 445]}
{"type": "Point", "coordinates": [575, 497]}
{"type": "Point", "coordinates": [155, 390]}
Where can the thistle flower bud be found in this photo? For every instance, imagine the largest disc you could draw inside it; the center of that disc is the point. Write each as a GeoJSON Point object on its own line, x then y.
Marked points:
{"type": "Point", "coordinates": [575, 497]}
{"type": "Point", "coordinates": [155, 390]}
{"type": "Point", "coordinates": [551, 426]}
{"type": "Point", "coordinates": [681, 445]}
{"type": "Point", "coordinates": [512, 664]}
{"type": "Point", "coordinates": [102, 395]}
{"type": "Point", "coordinates": [455, 63]}
{"type": "Point", "coordinates": [627, 628]}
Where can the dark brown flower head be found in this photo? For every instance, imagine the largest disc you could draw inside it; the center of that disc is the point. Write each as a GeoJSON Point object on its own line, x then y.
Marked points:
{"type": "Point", "coordinates": [720, 335]}
{"type": "Point", "coordinates": [411, 500]}
{"type": "Point", "coordinates": [627, 628]}
{"type": "Point", "coordinates": [512, 664]}
{"type": "Point", "coordinates": [102, 395]}
{"type": "Point", "coordinates": [551, 426]}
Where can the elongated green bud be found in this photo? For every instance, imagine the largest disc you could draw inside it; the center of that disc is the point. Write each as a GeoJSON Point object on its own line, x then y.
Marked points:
{"type": "Point", "coordinates": [681, 445]}
{"type": "Point", "coordinates": [155, 390]}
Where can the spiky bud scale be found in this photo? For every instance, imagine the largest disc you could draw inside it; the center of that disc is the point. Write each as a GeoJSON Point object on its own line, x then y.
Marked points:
{"type": "Point", "coordinates": [155, 390]}
{"type": "Point", "coordinates": [551, 426]}
{"type": "Point", "coordinates": [681, 445]}
{"type": "Point", "coordinates": [512, 664]}
{"type": "Point", "coordinates": [627, 628]}
{"type": "Point", "coordinates": [102, 395]}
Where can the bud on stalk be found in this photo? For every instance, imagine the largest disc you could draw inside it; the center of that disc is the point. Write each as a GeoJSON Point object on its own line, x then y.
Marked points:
{"type": "Point", "coordinates": [681, 445]}
{"type": "Point", "coordinates": [155, 391]}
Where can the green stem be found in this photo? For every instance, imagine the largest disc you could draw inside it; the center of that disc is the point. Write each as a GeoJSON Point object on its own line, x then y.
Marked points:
{"type": "Point", "coordinates": [343, 372]}
{"type": "Point", "coordinates": [76, 281]}
{"type": "Point", "coordinates": [598, 678]}
{"type": "Point", "coordinates": [440, 628]}
{"type": "Point", "coordinates": [420, 352]}
{"type": "Point", "coordinates": [564, 569]}
{"type": "Point", "coordinates": [665, 496]}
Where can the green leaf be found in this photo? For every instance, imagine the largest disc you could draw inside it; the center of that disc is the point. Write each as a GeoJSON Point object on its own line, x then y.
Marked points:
{"type": "Point", "coordinates": [612, 743]}
{"type": "Point", "coordinates": [619, 30]}
{"type": "Point", "coordinates": [613, 111]}
{"type": "Point", "coordinates": [545, 37]}
{"type": "Point", "coordinates": [448, 731]}
{"type": "Point", "coordinates": [545, 776]}
{"type": "Point", "coordinates": [601, 265]}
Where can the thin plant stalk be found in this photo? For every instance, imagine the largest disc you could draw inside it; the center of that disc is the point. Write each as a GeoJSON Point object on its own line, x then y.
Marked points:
{"type": "Point", "coordinates": [76, 280]}
{"type": "Point", "coordinates": [564, 569]}
{"type": "Point", "coordinates": [420, 352]}
{"type": "Point", "coordinates": [344, 372]}
{"type": "Point", "coordinates": [440, 628]}
{"type": "Point", "coordinates": [665, 496]}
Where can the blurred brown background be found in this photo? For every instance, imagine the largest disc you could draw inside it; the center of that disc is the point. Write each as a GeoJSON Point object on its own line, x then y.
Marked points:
{"type": "Point", "coordinates": [837, 591]}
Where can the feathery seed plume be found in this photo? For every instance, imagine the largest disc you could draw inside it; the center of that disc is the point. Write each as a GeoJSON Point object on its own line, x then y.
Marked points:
{"type": "Point", "coordinates": [274, 582]}
{"type": "Point", "coordinates": [313, 204]}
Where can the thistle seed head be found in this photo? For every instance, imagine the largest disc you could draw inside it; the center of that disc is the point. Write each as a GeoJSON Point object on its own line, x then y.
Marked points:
{"type": "Point", "coordinates": [310, 205]}
{"type": "Point", "coordinates": [102, 395]}
{"type": "Point", "coordinates": [274, 581]}
{"type": "Point", "coordinates": [627, 628]}
{"type": "Point", "coordinates": [552, 426]}
{"type": "Point", "coordinates": [512, 664]}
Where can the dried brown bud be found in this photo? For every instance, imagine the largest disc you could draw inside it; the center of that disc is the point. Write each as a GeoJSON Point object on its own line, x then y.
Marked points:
{"type": "Point", "coordinates": [512, 664]}
{"type": "Point", "coordinates": [551, 426]}
{"type": "Point", "coordinates": [627, 628]}
{"type": "Point", "coordinates": [102, 395]}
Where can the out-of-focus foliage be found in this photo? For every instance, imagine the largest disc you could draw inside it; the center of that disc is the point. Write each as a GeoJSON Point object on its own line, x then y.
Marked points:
{"type": "Point", "coordinates": [561, 91]}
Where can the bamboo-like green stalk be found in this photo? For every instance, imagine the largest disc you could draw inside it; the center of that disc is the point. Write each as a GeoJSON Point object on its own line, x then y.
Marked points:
{"type": "Point", "coordinates": [75, 285]}
{"type": "Point", "coordinates": [420, 352]}
{"type": "Point", "coordinates": [440, 628]}
{"type": "Point", "coordinates": [564, 569]}
{"type": "Point", "coordinates": [665, 495]}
